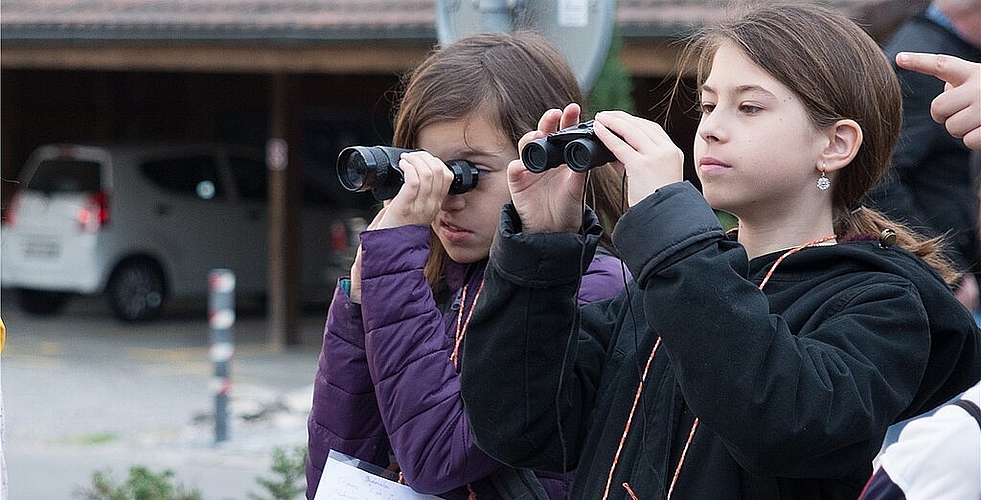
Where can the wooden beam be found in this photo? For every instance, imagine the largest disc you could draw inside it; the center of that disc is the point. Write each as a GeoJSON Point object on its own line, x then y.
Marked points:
{"type": "Point", "coordinates": [356, 58]}
{"type": "Point", "coordinates": [640, 57]}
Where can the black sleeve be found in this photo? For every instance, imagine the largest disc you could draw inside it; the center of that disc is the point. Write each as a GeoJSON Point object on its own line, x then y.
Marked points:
{"type": "Point", "coordinates": [521, 346]}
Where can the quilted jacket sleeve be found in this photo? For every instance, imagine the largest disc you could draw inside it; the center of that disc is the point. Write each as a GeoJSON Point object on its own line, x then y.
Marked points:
{"type": "Point", "coordinates": [344, 416]}
{"type": "Point", "coordinates": [408, 350]}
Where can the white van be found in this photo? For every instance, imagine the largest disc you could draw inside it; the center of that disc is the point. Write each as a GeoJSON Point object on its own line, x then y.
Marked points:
{"type": "Point", "coordinates": [143, 223]}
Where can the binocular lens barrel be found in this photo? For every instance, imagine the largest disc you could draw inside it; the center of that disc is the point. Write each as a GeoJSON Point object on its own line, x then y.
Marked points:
{"type": "Point", "coordinates": [353, 175]}
{"type": "Point", "coordinates": [464, 176]}
{"type": "Point", "coordinates": [576, 146]}
{"type": "Point", "coordinates": [540, 155]}
{"type": "Point", "coordinates": [584, 154]}
{"type": "Point", "coordinates": [375, 169]}
{"type": "Point", "coordinates": [361, 168]}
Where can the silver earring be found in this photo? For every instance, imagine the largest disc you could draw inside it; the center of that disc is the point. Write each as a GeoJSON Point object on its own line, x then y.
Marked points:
{"type": "Point", "coordinates": [823, 182]}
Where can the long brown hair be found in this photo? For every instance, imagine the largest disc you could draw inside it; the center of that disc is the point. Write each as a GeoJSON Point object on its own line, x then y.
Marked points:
{"type": "Point", "coordinates": [839, 72]}
{"type": "Point", "coordinates": [510, 78]}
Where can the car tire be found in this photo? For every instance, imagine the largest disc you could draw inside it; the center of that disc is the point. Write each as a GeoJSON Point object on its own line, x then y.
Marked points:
{"type": "Point", "coordinates": [42, 302]}
{"type": "Point", "coordinates": [136, 291]}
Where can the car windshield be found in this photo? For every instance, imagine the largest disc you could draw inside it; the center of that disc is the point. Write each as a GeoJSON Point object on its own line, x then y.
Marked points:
{"type": "Point", "coordinates": [66, 176]}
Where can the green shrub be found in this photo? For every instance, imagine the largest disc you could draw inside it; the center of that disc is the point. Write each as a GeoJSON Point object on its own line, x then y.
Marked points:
{"type": "Point", "coordinates": [288, 482]}
{"type": "Point", "coordinates": [290, 473]}
{"type": "Point", "coordinates": [141, 484]}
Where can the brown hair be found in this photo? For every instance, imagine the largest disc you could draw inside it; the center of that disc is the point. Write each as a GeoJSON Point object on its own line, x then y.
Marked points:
{"type": "Point", "coordinates": [511, 79]}
{"type": "Point", "coordinates": [839, 72]}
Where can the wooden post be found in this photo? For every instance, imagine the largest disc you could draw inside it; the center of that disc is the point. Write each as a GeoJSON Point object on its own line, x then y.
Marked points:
{"type": "Point", "coordinates": [282, 160]}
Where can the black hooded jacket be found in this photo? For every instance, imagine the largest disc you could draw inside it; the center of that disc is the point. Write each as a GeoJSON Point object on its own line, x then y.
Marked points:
{"type": "Point", "coordinates": [793, 386]}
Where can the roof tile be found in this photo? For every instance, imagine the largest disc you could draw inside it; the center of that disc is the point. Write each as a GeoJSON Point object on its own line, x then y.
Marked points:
{"type": "Point", "coordinates": [317, 19]}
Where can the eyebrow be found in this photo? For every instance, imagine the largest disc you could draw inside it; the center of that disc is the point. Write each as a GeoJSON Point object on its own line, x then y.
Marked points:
{"type": "Point", "coordinates": [742, 89]}
{"type": "Point", "coordinates": [479, 153]}
{"type": "Point", "coordinates": [480, 157]}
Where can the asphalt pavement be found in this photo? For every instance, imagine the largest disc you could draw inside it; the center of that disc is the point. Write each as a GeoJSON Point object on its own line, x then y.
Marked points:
{"type": "Point", "coordinates": [84, 392]}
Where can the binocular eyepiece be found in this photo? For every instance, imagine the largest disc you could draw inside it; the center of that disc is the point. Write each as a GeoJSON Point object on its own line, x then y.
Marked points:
{"type": "Point", "coordinates": [576, 146]}
{"type": "Point", "coordinates": [375, 169]}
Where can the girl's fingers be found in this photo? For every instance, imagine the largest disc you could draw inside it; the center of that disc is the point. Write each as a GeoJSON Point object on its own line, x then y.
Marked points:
{"type": "Point", "coordinates": [570, 115]}
{"type": "Point", "coordinates": [634, 130]}
{"type": "Point", "coordinates": [555, 119]}
{"type": "Point", "coordinates": [549, 122]}
{"type": "Point", "coordinates": [426, 182]}
{"type": "Point", "coordinates": [649, 156]}
{"type": "Point", "coordinates": [629, 137]}
{"type": "Point", "coordinates": [528, 137]}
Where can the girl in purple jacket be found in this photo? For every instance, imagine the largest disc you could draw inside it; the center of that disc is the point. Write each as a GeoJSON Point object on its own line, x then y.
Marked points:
{"type": "Point", "coordinates": [387, 388]}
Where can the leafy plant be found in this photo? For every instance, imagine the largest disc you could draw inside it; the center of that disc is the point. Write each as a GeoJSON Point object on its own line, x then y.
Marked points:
{"type": "Point", "coordinates": [140, 484]}
{"type": "Point", "coordinates": [289, 467]}
{"type": "Point", "coordinates": [287, 483]}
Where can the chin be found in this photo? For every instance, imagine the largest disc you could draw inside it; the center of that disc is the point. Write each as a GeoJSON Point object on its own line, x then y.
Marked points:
{"type": "Point", "coordinates": [714, 201]}
{"type": "Point", "coordinates": [465, 256]}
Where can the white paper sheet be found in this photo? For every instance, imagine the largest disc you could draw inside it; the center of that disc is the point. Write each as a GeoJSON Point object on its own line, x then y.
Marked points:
{"type": "Point", "coordinates": [344, 480]}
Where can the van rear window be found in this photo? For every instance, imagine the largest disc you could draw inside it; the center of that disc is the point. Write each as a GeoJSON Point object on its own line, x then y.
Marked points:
{"type": "Point", "coordinates": [194, 176]}
{"type": "Point", "coordinates": [66, 176]}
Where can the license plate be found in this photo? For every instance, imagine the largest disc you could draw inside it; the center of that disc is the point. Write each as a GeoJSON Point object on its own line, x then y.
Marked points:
{"type": "Point", "coordinates": [42, 249]}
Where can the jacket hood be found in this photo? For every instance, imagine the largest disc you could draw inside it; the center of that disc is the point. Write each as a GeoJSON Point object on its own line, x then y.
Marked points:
{"type": "Point", "coordinates": [955, 341]}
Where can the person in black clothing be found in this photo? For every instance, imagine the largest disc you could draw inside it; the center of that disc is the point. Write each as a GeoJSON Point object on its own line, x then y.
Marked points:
{"type": "Point", "coordinates": [933, 185]}
{"type": "Point", "coordinates": [762, 364]}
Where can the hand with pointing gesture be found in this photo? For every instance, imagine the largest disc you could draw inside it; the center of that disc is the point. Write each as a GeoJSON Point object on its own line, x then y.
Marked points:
{"type": "Point", "coordinates": [959, 106]}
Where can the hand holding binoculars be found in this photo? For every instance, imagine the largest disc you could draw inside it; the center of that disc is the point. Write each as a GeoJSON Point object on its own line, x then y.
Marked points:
{"type": "Point", "coordinates": [576, 146]}
{"type": "Point", "coordinates": [375, 169]}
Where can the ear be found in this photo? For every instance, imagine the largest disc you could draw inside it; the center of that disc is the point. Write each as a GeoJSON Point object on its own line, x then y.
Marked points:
{"type": "Point", "coordinates": [844, 139]}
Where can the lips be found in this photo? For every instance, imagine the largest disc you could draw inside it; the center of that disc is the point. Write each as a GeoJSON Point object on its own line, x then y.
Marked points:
{"type": "Point", "coordinates": [710, 164]}
{"type": "Point", "coordinates": [453, 233]}
{"type": "Point", "coordinates": [708, 161]}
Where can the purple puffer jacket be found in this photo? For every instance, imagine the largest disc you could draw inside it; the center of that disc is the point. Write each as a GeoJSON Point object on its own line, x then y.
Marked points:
{"type": "Point", "coordinates": [385, 365]}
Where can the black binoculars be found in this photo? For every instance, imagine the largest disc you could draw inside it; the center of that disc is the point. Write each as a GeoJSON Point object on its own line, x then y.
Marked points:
{"type": "Point", "coordinates": [576, 146]}
{"type": "Point", "coordinates": [375, 168]}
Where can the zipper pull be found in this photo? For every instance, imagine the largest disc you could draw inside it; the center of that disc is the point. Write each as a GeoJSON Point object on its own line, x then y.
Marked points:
{"type": "Point", "coordinates": [456, 299]}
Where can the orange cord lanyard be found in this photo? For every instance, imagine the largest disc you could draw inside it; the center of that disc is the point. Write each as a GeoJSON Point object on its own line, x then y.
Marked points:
{"type": "Point", "coordinates": [694, 425]}
{"type": "Point", "coordinates": [461, 330]}
{"type": "Point", "coordinates": [461, 325]}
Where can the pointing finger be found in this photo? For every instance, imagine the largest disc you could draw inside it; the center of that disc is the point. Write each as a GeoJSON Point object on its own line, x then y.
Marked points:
{"type": "Point", "coordinates": [947, 68]}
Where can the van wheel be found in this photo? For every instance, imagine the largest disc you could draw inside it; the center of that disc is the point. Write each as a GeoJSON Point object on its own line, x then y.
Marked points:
{"type": "Point", "coordinates": [136, 291]}
{"type": "Point", "coordinates": [42, 302]}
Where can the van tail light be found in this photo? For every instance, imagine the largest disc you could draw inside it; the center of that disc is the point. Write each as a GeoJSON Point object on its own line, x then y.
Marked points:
{"type": "Point", "coordinates": [338, 236]}
{"type": "Point", "coordinates": [10, 211]}
{"type": "Point", "coordinates": [94, 212]}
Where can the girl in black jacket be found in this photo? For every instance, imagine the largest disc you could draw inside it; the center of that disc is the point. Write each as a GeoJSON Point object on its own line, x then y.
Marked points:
{"type": "Point", "coordinates": [766, 363]}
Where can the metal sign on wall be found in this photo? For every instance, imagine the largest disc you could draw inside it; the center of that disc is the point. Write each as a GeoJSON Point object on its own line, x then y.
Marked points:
{"type": "Point", "coordinates": [580, 29]}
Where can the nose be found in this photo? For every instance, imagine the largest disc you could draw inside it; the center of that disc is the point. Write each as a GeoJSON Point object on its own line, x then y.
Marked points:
{"type": "Point", "coordinates": [711, 128]}
{"type": "Point", "coordinates": [453, 203]}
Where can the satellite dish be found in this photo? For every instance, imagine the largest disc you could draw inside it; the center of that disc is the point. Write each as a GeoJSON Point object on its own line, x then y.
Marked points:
{"type": "Point", "coordinates": [580, 29]}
